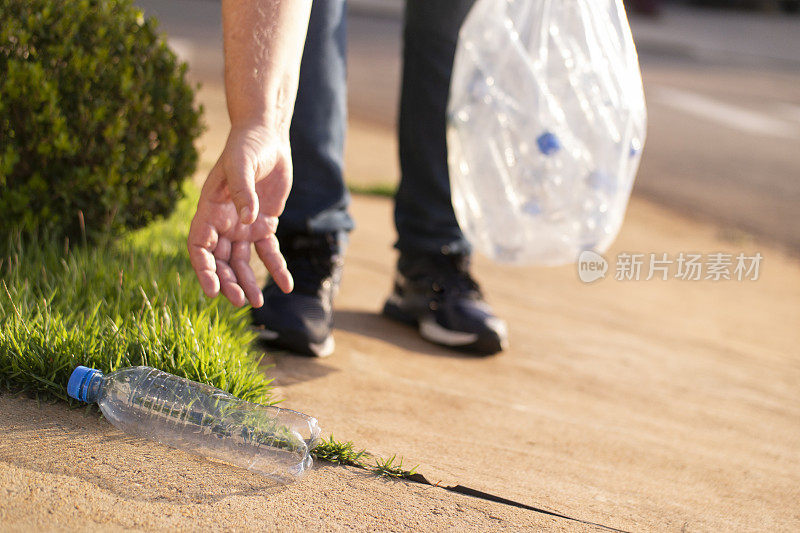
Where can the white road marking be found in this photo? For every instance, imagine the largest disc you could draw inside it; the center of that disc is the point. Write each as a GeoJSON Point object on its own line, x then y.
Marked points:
{"type": "Point", "coordinates": [790, 111]}
{"type": "Point", "coordinates": [735, 117]}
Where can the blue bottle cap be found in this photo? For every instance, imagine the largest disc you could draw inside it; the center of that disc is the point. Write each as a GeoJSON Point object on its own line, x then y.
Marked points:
{"type": "Point", "coordinates": [548, 143]}
{"type": "Point", "coordinates": [79, 382]}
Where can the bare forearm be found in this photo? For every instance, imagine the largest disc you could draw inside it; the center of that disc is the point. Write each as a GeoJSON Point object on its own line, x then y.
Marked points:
{"type": "Point", "coordinates": [263, 47]}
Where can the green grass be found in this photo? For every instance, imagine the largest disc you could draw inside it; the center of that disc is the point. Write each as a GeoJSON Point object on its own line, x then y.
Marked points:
{"type": "Point", "coordinates": [344, 453]}
{"type": "Point", "coordinates": [131, 302]}
{"type": "Point", "coordinates": [380, 189]}
{"type": "Point", "coordinates": [340, 453]}
{"type": "Point", "coordinates": [392, 467]}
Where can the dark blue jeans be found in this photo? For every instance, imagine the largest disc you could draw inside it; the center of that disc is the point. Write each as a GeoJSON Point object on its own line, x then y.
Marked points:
{"type": "Point", "coordinates": [423, 211]}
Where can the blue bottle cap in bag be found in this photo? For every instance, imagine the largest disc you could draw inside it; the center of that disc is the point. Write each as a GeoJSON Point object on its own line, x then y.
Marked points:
{"type": "Point", "coordinates": [80, 381]}
{"type": "Point", "coordinates": [548, 143]}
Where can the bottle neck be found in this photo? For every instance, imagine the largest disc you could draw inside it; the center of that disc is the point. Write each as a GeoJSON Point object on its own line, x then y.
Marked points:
{"type": "Point", "coordinates": [92, 388]}
{"type": "Point", "coordinates": [85, 384]}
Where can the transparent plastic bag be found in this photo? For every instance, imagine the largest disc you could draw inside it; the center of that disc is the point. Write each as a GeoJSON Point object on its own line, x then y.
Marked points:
{"type": "Point", "coordinates": [546, 124]}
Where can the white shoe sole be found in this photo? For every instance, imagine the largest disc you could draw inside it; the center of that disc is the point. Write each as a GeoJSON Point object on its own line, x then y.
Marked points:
{"type": "Point", "coordinates": [430, 330]}
{"type": "Point", "coordinates": [322, 349]}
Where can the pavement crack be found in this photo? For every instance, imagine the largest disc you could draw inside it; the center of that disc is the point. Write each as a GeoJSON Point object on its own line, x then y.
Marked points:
{"type": "Point", "coordinates": [467, 491]}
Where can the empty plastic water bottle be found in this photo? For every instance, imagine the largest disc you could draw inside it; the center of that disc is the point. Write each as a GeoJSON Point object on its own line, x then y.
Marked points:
{"type": "Point", "coordinates": [546, 124]}
{"type": "Point", "coordinates": [199, 418]}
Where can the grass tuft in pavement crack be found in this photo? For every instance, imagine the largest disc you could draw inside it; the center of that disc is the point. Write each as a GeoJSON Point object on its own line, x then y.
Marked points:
{"type": "Point", "coordinates": [340, 453]}
{"type": "Point", "coordinates": [392, 467]}
{"type": "Point", "coordinates": [123, 303]}
{"type": "Point", "coordinates": [344, 453]}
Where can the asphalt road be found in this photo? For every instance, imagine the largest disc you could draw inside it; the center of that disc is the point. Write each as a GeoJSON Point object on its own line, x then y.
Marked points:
{"type": "Point", "coordinates": [723, 92]}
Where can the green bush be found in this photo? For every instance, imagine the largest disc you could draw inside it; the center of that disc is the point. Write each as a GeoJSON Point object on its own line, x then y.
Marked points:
{"type": "Point", "coordinates": [96, 117]}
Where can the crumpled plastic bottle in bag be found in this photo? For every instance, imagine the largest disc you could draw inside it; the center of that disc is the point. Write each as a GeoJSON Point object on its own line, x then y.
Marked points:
{"type": "Point", "coordinates": [545, 129]}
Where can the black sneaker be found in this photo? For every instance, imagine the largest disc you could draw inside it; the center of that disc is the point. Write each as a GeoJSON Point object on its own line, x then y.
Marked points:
{"type": "Point", "coordinates": [301, 321]}
{"type": "Point", "coordinates": [437, 294]}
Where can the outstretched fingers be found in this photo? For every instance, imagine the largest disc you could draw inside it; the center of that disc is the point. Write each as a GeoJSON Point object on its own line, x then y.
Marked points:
{"type": "Point", "coordinates": [269, 252]}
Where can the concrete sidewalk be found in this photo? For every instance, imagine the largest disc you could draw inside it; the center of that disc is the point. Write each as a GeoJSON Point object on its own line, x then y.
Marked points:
{"type": "Point", "coordinates": [61, 470]}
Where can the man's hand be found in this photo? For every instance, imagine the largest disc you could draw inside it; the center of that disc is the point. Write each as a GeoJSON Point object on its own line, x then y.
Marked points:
{"type": "Point", "coordinates": [239, 206]}
{"type": "Point", "coordinates": [247, 188]}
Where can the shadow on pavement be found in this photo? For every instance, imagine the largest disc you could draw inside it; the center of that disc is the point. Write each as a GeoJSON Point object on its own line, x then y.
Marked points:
{"type": "Point", "coordinates": [378, 327]}
{"type": "Point", "coordinates": [290, 369]}
{"type": "Point", "coordinates": [84, 448]}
